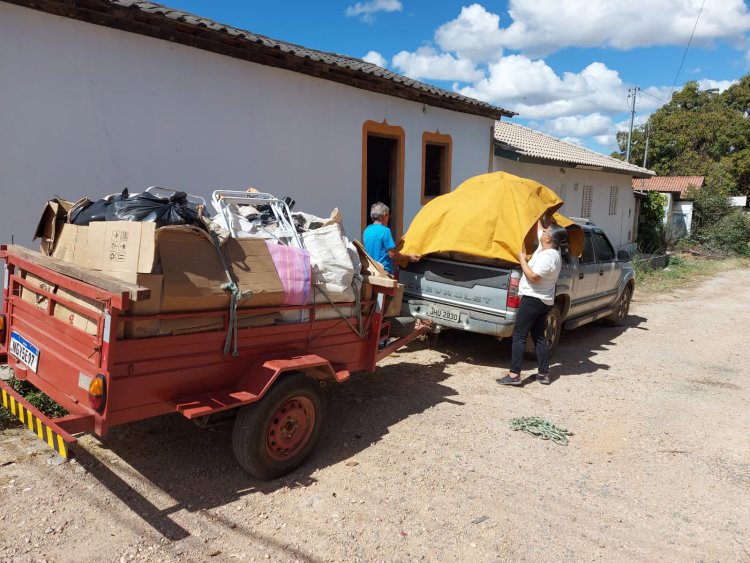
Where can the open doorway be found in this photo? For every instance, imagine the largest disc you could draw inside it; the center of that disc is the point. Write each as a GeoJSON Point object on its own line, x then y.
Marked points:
{"type": "Point", "coordinates": [383, 176]}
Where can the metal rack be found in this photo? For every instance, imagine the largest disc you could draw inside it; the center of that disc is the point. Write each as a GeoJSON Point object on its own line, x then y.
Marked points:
{"type": "Point", "coordinates": [284, 231]}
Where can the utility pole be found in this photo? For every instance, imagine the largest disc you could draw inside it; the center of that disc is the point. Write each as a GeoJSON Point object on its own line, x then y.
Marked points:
{"type": "Point", "coordinates": [645, 152]}
{"type": "Point", "coordinates": [631, 92]}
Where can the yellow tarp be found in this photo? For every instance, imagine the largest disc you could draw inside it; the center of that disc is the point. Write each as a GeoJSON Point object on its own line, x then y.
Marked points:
{"type": "Point", "coordinates": [489, 216]}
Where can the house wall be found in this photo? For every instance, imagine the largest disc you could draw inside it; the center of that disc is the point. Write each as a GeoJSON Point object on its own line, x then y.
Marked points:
{"type": "Point", "coordinates": [90, 110]}
{"type": "Point", "coordinates": [568, 184]}
{"type": "Point", "coordinates": [682, 218]}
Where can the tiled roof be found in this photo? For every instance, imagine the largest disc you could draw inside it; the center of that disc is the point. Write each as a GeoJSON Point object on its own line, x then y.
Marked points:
{"type": "Point", "coordinates": [527, 142]}
{"type": "Point", "coordinates": [155, 20]}
{"type": "Point", "coordinates": [674, 184]}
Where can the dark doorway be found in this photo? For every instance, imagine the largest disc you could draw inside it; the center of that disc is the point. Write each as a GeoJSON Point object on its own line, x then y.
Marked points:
{"type": "Point", "coordinates": [382, 177]}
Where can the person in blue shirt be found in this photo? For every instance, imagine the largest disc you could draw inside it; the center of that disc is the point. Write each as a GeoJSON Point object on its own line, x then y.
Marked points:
{"type": "Point", "coordinates": [379, 241]}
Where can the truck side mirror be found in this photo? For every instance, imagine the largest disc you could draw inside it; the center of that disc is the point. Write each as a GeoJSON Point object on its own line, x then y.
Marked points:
{"type": "Point", "coordinates": [623, 256]}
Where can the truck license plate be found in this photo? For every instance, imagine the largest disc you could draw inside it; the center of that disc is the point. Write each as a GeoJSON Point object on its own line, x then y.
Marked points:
{"type": "Point", "coordinates": [24, 351]}
{"type": "Point", "coordinates": [444, 313]}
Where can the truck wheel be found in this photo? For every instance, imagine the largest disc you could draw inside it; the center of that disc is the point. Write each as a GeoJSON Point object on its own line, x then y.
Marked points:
{"type": "Point", "coordinates": [552, 329]}
{"type": "Point", "coordinates": [274, 436]}
{"type": "Point", "coordinates": [621, 309]}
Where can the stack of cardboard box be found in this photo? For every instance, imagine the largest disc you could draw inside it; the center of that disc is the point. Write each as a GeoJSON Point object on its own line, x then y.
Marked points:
{"type": "Point", "coordinates": [179, 264]}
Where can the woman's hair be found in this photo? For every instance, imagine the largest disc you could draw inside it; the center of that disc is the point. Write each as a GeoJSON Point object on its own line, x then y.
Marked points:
{"type": "Point", "coordinates": [559, 239]}
{"type": "Point", "coordinates": [378, 211]}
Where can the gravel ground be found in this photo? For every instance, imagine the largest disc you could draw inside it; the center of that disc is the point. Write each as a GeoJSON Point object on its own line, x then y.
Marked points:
{"type": "Point", "coordinates": [417, 461]}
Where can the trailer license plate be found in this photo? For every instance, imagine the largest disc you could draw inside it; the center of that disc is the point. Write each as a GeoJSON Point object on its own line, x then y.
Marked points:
{"type": "Point", "coordinates": [24, 351]}
{"type": "Point", "coordinates": [444, 313]}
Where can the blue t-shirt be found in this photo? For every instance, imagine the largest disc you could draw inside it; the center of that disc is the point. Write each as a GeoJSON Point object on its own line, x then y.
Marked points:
{"type": "Point", "coordinates": [378, 241]}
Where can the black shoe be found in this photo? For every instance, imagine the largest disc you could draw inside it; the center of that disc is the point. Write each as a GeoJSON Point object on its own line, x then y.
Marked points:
{"type": "Point", "coordinates": [542, 378]}
{"type": "Point", "coordinates": [508, 380]}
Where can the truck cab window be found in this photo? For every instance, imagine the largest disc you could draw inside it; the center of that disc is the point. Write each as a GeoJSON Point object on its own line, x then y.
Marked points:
{"type": "Point", "coordinates": [604, 251]}
{"type": "Point", "coordinates": [588, 257]}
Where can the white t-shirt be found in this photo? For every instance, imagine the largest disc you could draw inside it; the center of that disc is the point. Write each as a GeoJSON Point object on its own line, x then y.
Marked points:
{"type": "Point", "coordinates": [547, 264]}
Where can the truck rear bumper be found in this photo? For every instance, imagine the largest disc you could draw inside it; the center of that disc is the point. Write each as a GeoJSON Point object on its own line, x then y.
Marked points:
{"type": "Point", "coordinates": [49, 430]}
{"type": "Point", "coordinates": [470, 321]}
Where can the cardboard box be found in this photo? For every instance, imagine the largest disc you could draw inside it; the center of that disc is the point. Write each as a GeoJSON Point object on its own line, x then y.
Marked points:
{"type": "Point", "coordinates": [150, 306]}
{"type": "Point", "coordinates": [54, 215]}
{"type": "Point", "coordinates": [30, 296]}
{"type": "Point", "coordinates": [245, 319]}
{"type": "Point", "coordinates": [121, 246]}
{"type": "Point", "coordinates": [71, 244]}
{"type": "Point", "coordinates": [193, 271]}
{"type": "Point", "coordinates": [86, 323]}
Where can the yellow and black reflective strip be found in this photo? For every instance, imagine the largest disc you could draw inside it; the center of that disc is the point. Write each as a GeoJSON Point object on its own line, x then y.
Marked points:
{"type": "Point", "coordinates": [33, 423]}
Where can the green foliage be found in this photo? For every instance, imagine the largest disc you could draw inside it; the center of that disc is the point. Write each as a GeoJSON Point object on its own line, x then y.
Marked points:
{"type": "Point", "coordinates": [717, 226]}
{"type": "Point", "coordinates": [699, 133]}
{"type": "Point", "coordinates": [730, 234]}
{"type": "Point", "coordinates": [33, 396]}
{"type": "Point", "coordinates": [651, 232]}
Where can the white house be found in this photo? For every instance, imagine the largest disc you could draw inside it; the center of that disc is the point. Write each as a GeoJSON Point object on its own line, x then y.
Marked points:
{"type": "Point", "coordinates": [678, 211]}
{"type": "Point", "coordinates": [98, 95]}
{"type": "Point", "coordinates": [593, 186]}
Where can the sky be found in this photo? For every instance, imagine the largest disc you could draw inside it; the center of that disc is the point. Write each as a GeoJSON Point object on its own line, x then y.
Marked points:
{"type": "Point", "coordinates": [567, 67]}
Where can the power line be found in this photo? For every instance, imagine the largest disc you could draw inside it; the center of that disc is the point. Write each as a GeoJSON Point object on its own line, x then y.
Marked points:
{"type": "Point", "coordinates": [654, 97]}
{"type": "Point", "coordinates": [686, 49]}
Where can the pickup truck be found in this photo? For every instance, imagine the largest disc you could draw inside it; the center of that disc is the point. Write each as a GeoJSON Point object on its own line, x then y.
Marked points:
{"type": "Point", "coordinates": [479, 295]}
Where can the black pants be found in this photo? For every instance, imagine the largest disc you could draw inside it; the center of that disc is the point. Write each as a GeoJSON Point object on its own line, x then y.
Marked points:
{"type": "Point", "coordinates": [530, 318]}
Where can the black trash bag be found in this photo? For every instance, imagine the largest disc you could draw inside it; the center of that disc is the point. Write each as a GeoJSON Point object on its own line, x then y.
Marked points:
{"type": "Point", "coordinates": [102, 210]}
{"type": "Point", "coordinates": [146, 207]}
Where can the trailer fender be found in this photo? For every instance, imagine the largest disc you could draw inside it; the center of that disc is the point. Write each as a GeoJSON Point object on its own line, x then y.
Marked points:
{"type": "Point", "coordinates": [255, 382]}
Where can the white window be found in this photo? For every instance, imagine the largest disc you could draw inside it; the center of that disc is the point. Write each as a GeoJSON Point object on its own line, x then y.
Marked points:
{"type": "Point", "coordinates": [586, 202]}
{"type": "Point", "coordinates": [613, 200]}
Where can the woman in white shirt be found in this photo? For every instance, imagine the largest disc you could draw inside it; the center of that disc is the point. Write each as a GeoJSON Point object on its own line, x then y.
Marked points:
{"type": "Point", "coordinates": [537, 290]}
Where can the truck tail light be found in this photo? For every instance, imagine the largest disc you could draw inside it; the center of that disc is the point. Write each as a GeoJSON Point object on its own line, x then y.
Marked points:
{"type": "Point", "coordinates": [98, 393]}
{"type": "Point", "coordinates": [514, 300]}
{"type": "Point", "coordinates": [2, 330]}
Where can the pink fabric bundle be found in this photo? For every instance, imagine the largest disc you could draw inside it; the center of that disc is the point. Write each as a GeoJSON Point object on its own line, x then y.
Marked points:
{"type": "Point", "coordinates": [293, 266]}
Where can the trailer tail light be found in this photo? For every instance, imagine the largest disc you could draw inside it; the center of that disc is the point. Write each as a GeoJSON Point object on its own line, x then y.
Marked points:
{"type": "Point", "coordinates": [514, 300]}
{"type": "Point", "coordinates": [2, 329]}
{"type": "Point", "coordinates": [98, 393]}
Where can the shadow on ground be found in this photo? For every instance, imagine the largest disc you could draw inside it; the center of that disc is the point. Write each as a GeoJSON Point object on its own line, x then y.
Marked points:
{"type": "Point", "coordinates": [196, 467]}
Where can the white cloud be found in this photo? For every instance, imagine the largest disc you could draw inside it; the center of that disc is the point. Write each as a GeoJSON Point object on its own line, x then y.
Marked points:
{"type": "Point", "coordinates": [373, 57]}
{"type": "Point", "coordinates": [541, 27]}
{"type": "Point", "coordinates": [535, 91]}
{"type": "Point", "coordinates": [427, 64]}
{"type": "Point", "coordinates": [366, 10]}
{"type": "Point", "coordinates": [607, 142]}
{"type": "Point", "coordinates": [579, 125]}
{"type": "Point", "coordinates": [475, 34]}
{"type": "Point", "coordinates": [720, 85]}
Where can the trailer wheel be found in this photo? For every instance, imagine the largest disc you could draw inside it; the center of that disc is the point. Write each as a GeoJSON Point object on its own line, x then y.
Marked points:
{"type": "Point", "coordinates": [274, 436]}
{"type": "Point", "coordinates": [552, 330]}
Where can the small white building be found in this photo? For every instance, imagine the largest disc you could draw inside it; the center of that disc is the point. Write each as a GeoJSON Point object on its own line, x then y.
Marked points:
{"type": "Point", "coordinates": [593, 186]}
{"type": "Point", "coordinates": [106, 94]}
{"type": "Point", "coordinates": [678, 211]}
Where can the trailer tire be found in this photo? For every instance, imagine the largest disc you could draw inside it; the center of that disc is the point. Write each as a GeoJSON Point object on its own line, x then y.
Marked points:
{"type": "Point", "coordinates": [401, 326]}
{"type": "Point", "coordinates": [552, 330]}
{"type": "Point", "coordinates": [274, 436]}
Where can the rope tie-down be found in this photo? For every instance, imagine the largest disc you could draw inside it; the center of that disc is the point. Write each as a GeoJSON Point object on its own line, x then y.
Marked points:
{"type": "Point", "coordinates": [537, 426]}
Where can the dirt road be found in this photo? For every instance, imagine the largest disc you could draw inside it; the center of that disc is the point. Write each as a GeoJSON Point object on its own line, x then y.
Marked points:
{"type": "Point", "coordinates": [418, 462]}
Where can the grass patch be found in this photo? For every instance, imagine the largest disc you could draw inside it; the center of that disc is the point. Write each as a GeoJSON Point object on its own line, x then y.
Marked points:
{"type": "Point", "coordinates": [684, 271]}
{"type": "Point", "coordinates": [38, 399]}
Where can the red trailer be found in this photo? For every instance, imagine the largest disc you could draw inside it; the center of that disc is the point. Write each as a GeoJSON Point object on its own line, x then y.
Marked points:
{"type": "Point", "coordinates": [272, 383]}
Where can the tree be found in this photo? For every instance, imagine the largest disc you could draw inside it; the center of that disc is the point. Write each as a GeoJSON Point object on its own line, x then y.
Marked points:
{"type": "Point", "coordinates": [651, 232]}
{"type": "Point", "coordinates": [699, 133]}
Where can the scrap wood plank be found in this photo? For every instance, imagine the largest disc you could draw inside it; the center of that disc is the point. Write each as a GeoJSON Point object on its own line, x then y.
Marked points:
{"type": "Point", "coordinates": [93, 277]}
{"type": "Point", "coordinates": [381, 281]}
